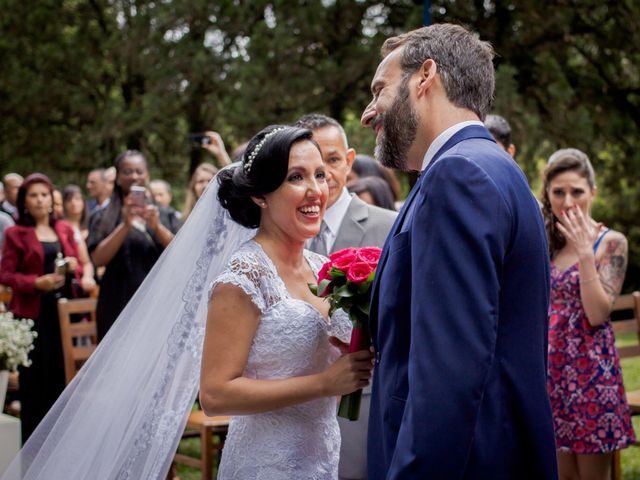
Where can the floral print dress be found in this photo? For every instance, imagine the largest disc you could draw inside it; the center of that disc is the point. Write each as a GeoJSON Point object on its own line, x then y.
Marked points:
{"type": "Point", "coordinates": [587, 395]}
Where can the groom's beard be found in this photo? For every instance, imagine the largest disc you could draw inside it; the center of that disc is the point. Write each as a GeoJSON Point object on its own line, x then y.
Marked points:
{"type": "Point", "coordinates": [399, 127]}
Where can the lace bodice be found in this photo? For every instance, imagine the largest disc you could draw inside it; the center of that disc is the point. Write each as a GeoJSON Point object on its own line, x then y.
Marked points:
{"type": "Point", "coordinates": [302, 441]}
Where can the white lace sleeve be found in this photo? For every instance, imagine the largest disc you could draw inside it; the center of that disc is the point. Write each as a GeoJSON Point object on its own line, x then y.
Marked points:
{"type": "Point", "coordinates": [341, 326]}
{"type": "Point", "coordinates": [246, 272]}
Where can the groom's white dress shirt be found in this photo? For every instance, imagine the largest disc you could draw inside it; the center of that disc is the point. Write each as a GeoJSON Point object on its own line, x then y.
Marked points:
{"type": "Point", "coordinates": [443, 138]}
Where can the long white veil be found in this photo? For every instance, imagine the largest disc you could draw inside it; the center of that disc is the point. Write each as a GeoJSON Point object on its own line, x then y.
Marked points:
{"type": "Point", "coordinates": [123, 414]}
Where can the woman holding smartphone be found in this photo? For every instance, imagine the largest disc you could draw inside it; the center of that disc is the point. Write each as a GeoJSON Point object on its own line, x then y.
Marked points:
{"type": "Point", "coordinates": [127, 237]}
{"type": "Point", "coordinates": [38, 253]}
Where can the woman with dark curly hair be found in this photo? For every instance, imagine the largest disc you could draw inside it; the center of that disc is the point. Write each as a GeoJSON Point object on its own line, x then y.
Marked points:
{"type": "Point", "coordinates": [588, 263]}
{"type": "Point", "coordinates": [267, 358]}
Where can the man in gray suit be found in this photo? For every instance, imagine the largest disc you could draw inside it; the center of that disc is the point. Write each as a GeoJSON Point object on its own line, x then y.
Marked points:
{"type": "Point", "coordinates": [348, 222]}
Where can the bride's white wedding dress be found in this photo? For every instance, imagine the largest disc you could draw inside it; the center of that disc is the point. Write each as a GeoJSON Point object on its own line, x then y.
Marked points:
{"type": "Point", "coordinates": [292, 339]}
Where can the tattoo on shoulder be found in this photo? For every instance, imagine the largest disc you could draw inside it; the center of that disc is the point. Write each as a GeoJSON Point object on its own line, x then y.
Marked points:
{"type": "Point", "coordinates": [613, 267]}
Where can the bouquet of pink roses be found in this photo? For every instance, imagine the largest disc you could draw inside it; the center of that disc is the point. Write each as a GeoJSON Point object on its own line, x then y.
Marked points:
{"type": "Point", "coordinates": [346, 280]}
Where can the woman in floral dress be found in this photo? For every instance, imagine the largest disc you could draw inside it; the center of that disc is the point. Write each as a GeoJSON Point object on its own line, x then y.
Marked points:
{"type": "Point", "coordinates": [588, 263]}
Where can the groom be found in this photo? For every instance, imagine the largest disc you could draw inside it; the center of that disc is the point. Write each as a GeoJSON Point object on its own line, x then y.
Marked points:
{"type": "Point", "coordinates": [459, 307]}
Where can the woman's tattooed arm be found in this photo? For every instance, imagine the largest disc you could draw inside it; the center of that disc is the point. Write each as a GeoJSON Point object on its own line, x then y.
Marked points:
{"type": "Point", "coordinates": [613, 266]}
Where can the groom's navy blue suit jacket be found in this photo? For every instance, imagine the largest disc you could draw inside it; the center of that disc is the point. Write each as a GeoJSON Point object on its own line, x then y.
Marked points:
{"type": "Point", "coordinates": [459, 323]}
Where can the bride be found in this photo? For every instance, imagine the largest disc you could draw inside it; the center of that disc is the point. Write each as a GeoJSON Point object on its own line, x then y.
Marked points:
{"type": "Point", "coordinates": [266, 349]}
{"type": "Point", "coordinates": [267, 354]}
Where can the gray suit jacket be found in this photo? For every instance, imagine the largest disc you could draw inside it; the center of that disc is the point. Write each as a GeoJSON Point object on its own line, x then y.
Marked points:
{"type": "Point", "coordinates": [363, 225]}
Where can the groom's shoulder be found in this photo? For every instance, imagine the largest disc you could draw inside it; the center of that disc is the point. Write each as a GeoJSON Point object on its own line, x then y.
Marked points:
{"type": "Point", "coordinates": [485, 157]}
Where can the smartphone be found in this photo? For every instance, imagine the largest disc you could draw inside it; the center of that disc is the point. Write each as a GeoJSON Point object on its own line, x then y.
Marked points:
{"type": "Point", "coordinates": [139, 195]}
{"type": "Point", "coordinates": [61, 266]}
{"type": "Point", "coordinates": [200, 138]}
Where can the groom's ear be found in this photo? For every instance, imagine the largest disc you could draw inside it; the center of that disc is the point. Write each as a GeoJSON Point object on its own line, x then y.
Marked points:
{"type": "Point", "coordinates": [426, 76]}
{"type": "Point", "coordinates": [260, 201]}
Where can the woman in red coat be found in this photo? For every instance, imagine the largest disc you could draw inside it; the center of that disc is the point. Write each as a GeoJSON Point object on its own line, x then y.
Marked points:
{"type": "Point", "coordinates": [28, 267]}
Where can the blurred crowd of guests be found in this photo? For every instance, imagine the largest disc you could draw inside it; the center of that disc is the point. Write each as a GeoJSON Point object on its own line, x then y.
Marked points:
{"type": "Point", "coordinates": [111, 233]}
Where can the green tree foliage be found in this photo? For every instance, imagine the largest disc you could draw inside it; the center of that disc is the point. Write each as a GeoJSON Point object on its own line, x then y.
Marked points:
{"type": "Point", "coordinates": [83, 80]}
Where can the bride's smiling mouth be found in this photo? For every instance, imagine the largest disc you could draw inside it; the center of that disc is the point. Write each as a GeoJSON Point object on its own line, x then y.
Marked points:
{"type": "Point", "coordinates": [310, 211]}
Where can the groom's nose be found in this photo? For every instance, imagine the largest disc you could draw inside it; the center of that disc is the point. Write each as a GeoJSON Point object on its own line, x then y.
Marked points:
{"type": "Point", "coordinates": [368, 115]}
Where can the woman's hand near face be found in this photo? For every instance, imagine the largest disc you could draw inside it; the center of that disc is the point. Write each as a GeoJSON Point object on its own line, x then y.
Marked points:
{"type": "Point", "coordinates": [580, 231]}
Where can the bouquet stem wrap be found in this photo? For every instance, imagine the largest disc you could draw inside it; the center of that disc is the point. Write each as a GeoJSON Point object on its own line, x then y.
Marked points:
{"type": "Point", "coordinates": [350, 404]}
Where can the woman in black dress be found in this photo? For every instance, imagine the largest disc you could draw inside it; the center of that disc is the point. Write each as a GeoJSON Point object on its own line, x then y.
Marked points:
{"type": "Point", "coordinates": [127, 238]}
{"type": "Point", "coordinates": [28, 266]}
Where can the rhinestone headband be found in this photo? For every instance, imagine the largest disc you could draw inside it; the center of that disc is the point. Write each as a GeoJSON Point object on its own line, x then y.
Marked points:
{"type": "Point", "coordinates": [256, 150]}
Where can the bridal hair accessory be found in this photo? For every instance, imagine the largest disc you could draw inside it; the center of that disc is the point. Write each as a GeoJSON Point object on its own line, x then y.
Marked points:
{"type": "Point", "coordinates": [256, 150]}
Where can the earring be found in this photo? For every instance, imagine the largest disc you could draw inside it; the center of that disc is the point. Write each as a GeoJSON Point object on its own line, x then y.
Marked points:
{"type": "Point", "coordinates": [263, 204]}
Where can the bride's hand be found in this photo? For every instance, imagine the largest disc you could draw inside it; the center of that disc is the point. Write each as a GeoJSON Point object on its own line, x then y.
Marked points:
{"type": "Point", "coordinates": [349, 373]}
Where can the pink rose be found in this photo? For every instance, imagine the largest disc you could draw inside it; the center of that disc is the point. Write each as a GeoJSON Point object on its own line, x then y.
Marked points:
{"type": "Point", "coordinates": [343, 259]}
{"type": "Point", "coordinates": [359, 272]}
{"type": "Point", "coordinates": [344, 252]}
{"type": "Point", "coordinates": [323, 274]}
{"type": "Point", "coordinates": [370, 255]}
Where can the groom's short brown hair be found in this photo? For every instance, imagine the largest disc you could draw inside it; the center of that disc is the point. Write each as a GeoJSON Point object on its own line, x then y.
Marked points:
{"type": "Point", "coordinates": [464, 62]}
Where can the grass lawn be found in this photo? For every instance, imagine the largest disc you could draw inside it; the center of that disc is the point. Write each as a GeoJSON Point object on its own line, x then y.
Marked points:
{"type": "Point", "coordinates": [630, 456]}
{"type": "Point", "coordinates": [631, 375]}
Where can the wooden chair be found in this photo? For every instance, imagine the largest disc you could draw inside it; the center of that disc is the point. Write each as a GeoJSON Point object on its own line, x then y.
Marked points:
{"type": "Point", "coordinates": [199, 424]}
{"type": "Point", "coordinates": [5, 298]}
{"type": "Point", "coordinates": [75, 353]}
{"type": "Point", "coordinates": [630, 305]}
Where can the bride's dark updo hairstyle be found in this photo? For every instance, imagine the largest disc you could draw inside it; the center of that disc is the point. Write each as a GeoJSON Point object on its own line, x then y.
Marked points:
{"type": "Point", "coordinates": [263, 169]}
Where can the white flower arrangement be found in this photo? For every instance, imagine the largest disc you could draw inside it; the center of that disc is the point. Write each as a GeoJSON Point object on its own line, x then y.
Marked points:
{"type": "Point", "coordinates": [16, 341]}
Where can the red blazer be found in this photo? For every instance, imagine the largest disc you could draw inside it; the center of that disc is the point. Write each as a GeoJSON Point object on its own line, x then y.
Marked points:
{"type": "Point", "coordinates": [23, 262]}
